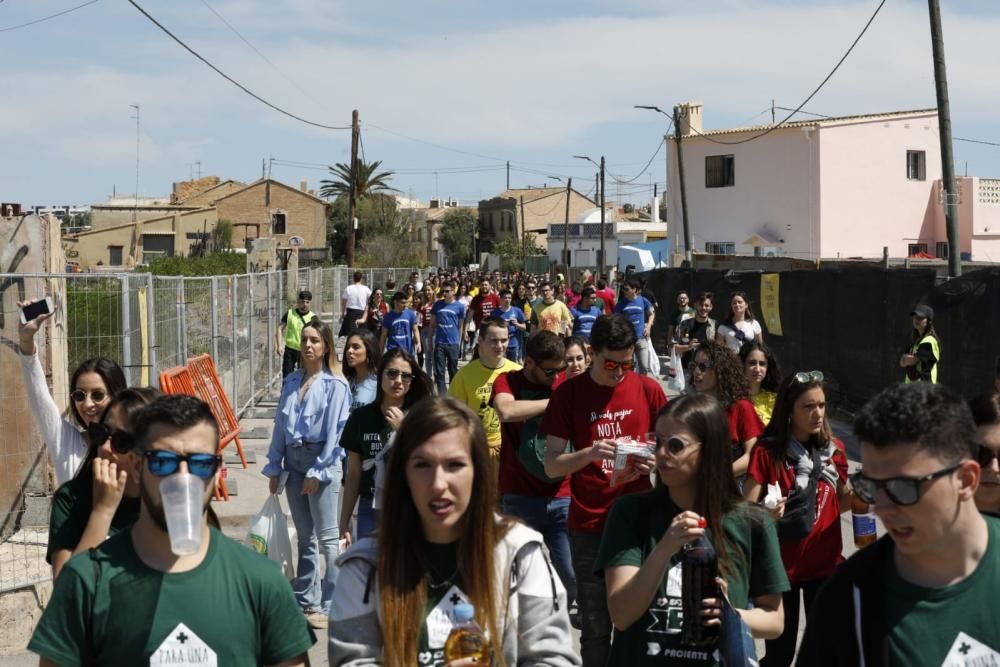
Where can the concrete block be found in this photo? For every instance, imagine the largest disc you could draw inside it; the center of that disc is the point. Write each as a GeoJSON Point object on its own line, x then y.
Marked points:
{"type": "Point", "coordinates": [36, 511]}
{"type": "Point", "coordinates": [232, 486]}
{"type": "Point", "coordinates": [20, 611]}
{"type": "Point", "coordinates": [232, 457]}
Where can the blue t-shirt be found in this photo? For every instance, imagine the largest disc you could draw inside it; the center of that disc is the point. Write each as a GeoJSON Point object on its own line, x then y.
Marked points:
{"type": "Point", "coordinates": [449, 322]}
{"type": "Point", "coordinates": [400, 327]}
{"type": "Point", "coordinates": [635, 310]}
{"type": "Point", "coordinates": [583, 321]}
{"type": "Point", "coordinates": [509, 316]}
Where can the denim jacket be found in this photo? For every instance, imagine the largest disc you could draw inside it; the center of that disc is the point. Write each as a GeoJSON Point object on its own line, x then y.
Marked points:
{"type": "Point", "coordinates": [318, 419]}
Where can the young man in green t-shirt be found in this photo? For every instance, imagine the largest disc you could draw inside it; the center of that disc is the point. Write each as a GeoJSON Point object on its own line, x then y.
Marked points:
{"type": "Point", "coordinates": [131, 601]}
{"type": "Point", "coordinates": [926, 593]}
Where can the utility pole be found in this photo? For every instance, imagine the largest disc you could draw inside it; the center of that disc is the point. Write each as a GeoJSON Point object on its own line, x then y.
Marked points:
{"type": "Point", "coordinates": [944, 126]}
{"type": "Point", "coordinates": [569, 189]}
{"type": "Point", "coordinates": [680, 178]}
{"type": "Point", "coordinates": [508, 174]}
{"type": "Point", "coordinates": [352, 199]}
{"type": "Point", "coordinates": [524, 237]}
{"type": "Point", "coordinates": [603, 263]}
{"type": "Point", "coordinates": [135, 205]}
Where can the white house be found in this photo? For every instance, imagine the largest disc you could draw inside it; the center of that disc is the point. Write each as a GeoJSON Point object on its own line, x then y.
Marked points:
{"type": "Point", "coordinates": [585, 237]}
{"type": "Point", "coordinates": [823, 187]}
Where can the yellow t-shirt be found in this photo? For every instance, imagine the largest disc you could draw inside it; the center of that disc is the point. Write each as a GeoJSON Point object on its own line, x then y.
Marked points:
{"type": "Point", "coordinates": [473, 385]}
{"type": "Point", "coordinates": [554, 317]}
{"type": "Point", "coordinates": [763, 405]}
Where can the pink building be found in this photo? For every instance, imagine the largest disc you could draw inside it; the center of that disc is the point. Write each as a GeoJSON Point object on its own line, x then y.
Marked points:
{"type": "Point", "coordinates": [829, 187]}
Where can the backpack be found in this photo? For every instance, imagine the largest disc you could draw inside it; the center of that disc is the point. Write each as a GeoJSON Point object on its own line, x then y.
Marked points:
{"type": "Point", "coordinates": [800, 508]}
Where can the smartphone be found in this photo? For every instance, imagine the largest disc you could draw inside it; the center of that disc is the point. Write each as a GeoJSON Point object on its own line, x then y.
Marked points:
{"type": "Point", "coordinates": [35, 309]}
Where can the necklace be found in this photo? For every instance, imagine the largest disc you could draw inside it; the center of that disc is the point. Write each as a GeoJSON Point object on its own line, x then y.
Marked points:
{"type": "Point", "coordinates": [442, 584]}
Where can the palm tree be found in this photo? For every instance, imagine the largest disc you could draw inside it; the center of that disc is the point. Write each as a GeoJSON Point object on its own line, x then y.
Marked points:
{"type": "Point", "coordinates": [369, 182]}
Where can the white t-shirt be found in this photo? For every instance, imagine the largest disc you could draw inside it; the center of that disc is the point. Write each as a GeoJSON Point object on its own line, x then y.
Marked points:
{"type": "Point", "coordinates": [749, 328]}
{"type": "Point", "coordinates": [356, 295]}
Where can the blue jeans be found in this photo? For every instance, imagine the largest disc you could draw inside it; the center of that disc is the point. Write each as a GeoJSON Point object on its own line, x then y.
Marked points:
{"type": "Point", "coordinates": [445, 355]}
{"type": "Point", "coordinates": [514, 354]}
{"type": "Point", "coordinates": [548, 516]}
{"type": "Point", "coordinates": [367, 522]}
{"type": "Point", "coordinates": [427, 345]}
{"type": "Point", "coordinates": [315, 518]}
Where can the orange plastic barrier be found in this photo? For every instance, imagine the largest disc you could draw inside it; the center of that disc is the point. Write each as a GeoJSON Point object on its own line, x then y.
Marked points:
{"type": "Point", "coordinates": [209, 389]}
{"type": "Point", "coordinates": [180, 380]}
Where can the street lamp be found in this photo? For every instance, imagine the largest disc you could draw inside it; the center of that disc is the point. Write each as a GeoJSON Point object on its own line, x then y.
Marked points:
{"type": "Point", "coordinates": [565, 253]}
{"type": "Point", "coordinates": [680, 171]}
{"type": "Point", "coordinates": [602, 260]}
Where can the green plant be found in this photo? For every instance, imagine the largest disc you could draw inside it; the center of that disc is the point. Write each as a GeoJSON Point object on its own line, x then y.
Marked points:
{"type": "Point", "coordinates": [456, 236]}
{"type": "Point", "coordinates": [216, 264]}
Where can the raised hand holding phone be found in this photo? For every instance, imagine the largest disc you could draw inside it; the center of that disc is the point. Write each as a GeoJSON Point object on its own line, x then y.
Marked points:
{"type": "Point", "coordinates": [33, 313]}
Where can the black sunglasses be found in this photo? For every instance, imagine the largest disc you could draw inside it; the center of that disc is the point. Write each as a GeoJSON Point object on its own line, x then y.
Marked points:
{"type": "Point", "coordinates": [986, 456]}
{"type": "Point", "coordinates": [164, 464]}
{"type": "Point", "coordinates": [549, 372]}
{"type": "Point", "coordinates": [903, 491]}
{"type": "Point", "coordinates": [97, 395]}
{"type": "Point", "coordinates": [701, 366]}
{"type": "Point", "coordinates": [673, 444]}
{"type": "Point", "coordinates": [395, 373]}
{"type": "Point", "coordinates": [99, 432]}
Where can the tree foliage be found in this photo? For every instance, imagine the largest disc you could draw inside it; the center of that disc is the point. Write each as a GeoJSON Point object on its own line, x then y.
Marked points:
{"type": "Point", "coordinates": [512, 251]}
{"type": "Point", "coordinates": [215, 264]}
{"type": "Point", "coordinates": [222, 235]}
{"type": "Point", "coordinates": [370, 180]}
{"type": "Point", "coordinates": [377, 214]}
{"type": "Point", "coordinates": [455, 236]}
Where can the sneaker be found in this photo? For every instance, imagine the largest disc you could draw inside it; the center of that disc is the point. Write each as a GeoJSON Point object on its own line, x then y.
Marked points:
{"type": "Point", "coordinates": [317, 620]}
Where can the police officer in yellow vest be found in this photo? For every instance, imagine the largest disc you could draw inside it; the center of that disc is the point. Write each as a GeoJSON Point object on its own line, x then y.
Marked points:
{"type": "Point", "coordinates": [921, 361]}
{"type": "Point", "coordinates": [289, 334]}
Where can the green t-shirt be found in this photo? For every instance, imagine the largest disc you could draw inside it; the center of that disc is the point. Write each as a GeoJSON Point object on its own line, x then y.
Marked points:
{"type": "Point", "coordinates": [634, 526]}
{"type": "Point", "coordinates": [235, 608]}
{"type": "Point", "coordinates": [366, 432]}
{"type": "Point", "coordinates": [955, 625]}
{"type": "Point", "coordinates": [443, 593]}
{"type": "Point", "coordinates": [71, 508]}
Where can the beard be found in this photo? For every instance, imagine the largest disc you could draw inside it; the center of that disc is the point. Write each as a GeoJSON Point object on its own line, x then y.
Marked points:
{"type": "Point", "coordinates": [155, 506]}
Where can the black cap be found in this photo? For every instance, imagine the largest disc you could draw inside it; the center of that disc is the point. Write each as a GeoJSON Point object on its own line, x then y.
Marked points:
{"type": "Point", "coordinates": [923, 311]}
{"type": "Point", "coordinates": [306, 294]}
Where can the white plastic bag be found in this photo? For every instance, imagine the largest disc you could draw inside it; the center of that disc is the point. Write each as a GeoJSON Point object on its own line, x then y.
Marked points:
{"type": "Point", "coordinates": [676, 382]}
{"type": "Point", "coordinates": [268, 535]}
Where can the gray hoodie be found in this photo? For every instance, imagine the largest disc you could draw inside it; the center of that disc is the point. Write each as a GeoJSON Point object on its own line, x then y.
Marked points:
{"type": "Point", "coordinates": [533, 615]}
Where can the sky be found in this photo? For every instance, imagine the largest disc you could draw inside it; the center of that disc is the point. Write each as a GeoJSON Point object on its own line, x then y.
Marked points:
{"type": "Point", "coordinates": [456, 87]}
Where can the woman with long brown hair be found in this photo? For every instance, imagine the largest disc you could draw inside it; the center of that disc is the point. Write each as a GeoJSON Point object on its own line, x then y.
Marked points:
{"type": "Point", "coordinates": [313, 408]}
{"type": "Point", "coordinates": [646, 533]}
{"type": "Point", "coordinates": [439, 544]}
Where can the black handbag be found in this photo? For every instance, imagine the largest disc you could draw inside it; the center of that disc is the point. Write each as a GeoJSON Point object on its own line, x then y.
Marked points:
{"type": "Point", "coordinates": [800, 507]}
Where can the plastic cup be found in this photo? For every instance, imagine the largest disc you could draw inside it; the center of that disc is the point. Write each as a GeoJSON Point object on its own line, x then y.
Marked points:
{"type": "Point", "coordinates": [183, 506]}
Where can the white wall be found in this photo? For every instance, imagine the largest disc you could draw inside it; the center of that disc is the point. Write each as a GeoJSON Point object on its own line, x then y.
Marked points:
{"type": "Point", "coordinates": [866, 200]}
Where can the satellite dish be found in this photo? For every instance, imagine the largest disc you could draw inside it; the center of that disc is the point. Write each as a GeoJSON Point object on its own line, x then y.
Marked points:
{"type": "Point", "coordinates": [296, 241]}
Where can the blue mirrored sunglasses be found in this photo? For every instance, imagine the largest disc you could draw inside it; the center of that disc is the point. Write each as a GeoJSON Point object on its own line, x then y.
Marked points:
{"type": "Point", "coordinates": [163, 464]}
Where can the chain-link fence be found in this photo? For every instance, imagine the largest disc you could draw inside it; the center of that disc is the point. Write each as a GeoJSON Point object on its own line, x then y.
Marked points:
{"type": "Point", "coordinates": [146, 324]}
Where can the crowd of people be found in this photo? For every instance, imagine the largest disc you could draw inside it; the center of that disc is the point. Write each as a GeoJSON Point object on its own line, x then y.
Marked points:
{"type": "Point", "coordinates": [549, 482]}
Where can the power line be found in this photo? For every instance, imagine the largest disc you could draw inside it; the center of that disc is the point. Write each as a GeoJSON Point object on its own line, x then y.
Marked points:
{"type": "Point", "coordinates": [811, 95]}
{"type": "Point", "coordinates": [634, 178]}
{"type": "Point", "coordinates": [51, 16]}
{"type": "Point", "coordinates": [229, 78]}
{"type": "Point", "coordinates": [976, 141]}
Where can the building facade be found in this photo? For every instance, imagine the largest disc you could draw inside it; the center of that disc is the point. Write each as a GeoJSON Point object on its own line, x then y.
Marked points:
{"type": "Point", "coordinates": [504, 217]}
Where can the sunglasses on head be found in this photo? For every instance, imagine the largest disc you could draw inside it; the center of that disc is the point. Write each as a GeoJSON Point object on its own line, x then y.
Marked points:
{"type": "Point", "coordinates": [812, 376]}
{"type": "Point", "coordinates": [97, 395]}
{"type": "Point", "coordinates": [626, 365]}
{"type": "Point", "coordinates": [986, 456]}
{"type": "Point", "coordinates": [163, 463]}
{"type": "Point", "coordinates": [99, 432]}
{"type": "Point", "coordinates": [902, 491]}
{"type": "Point", "coordinates": [395, 374]}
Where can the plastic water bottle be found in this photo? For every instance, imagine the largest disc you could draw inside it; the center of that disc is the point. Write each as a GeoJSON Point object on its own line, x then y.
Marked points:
{"type": "Point", "coordinates": [467, 639]}
{"type": "Point", "coordinates": [699, 568]}
{"type": "Point", "coordinates": [863, 521]}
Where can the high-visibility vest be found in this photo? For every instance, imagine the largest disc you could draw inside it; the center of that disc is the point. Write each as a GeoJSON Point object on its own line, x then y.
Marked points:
{"type": "Point", "coordinates": [936, 349]}
{"type": "Point", "coordinates": [294, 322]}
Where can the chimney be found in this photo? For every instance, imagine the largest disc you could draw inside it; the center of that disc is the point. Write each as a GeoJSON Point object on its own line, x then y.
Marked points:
{"type": "Point", "coordinates": [691, 117]}
{"type": "Point", "coordinates": [304, 185]}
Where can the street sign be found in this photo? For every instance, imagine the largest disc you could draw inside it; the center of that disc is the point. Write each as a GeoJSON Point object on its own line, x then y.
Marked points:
{"type": "Point", "coordinates": [296, 241]}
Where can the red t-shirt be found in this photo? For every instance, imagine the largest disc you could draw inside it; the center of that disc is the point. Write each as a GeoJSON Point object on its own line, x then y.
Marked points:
{"type": "Point", "coordinates": [425, 314]}
{"type": "Point", "coordinates": [583, 411]}
{"type": "Point", "coordinates": [744, 422]}
{"type": "Point", "coordinates": [608, 296]}
{"type": "Point", "coordinates": [514, 479]}
{"type": "Point", "coordinates": [482, 305]}
{"type": "Point", "coordinates": [818, 553]}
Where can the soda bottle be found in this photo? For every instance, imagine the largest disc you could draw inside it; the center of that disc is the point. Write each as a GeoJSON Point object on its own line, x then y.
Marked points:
{"type": "Point", "coordinates": [699, 568]}
{"type": "Point", "coordinates": [863, 520]}
{"type": "Point", "coordinates": [467, 639]}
